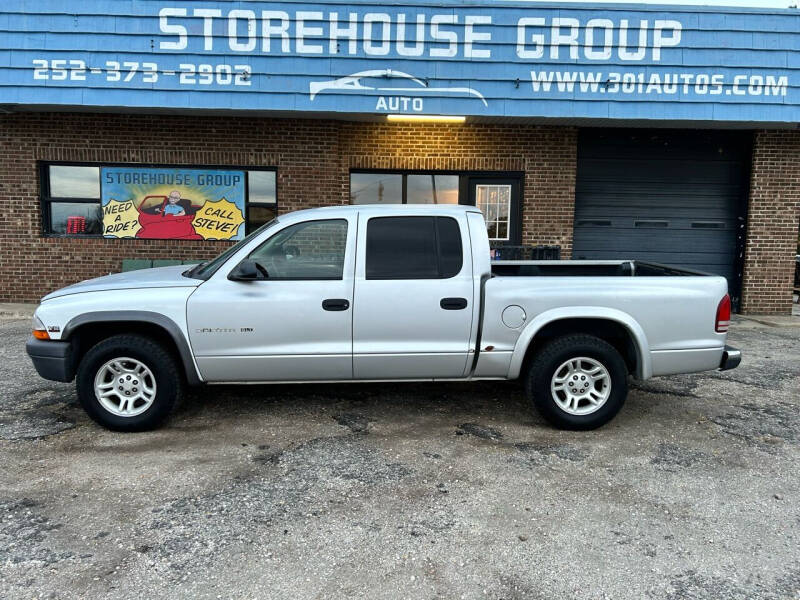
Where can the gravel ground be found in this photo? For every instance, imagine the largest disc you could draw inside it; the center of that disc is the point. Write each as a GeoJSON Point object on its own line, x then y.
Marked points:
{"type": "Point", "coordinates": [408, 491]}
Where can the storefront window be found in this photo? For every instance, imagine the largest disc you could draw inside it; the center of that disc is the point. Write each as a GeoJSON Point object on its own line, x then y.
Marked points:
{"type": "Point", "coordinates": [74, 182]}
{"type": "Point", "coordinates": [432, 189]}
{"type": "Point", "coordinates": [262, 200]}
{"type": "Point", "coordinates": [376, 188]}
{"type": "Point", "coordinates": [261, 187]}
{"type": "Point", "coordinates": [258, 214]}
{"type": "Point", "coordinates": [162, 202]}
{"type": "Point", "coordinates": [74, 218]}
{"type": "Point", "coordinates": [71, 200]}
{"type": "Point", "coordinates": [400, 188]}
{"type": "Point", "coordinates": [495, 194]}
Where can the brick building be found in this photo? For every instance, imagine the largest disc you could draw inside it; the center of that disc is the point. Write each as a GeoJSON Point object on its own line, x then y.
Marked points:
{"type": "Point", "coordinates": [699, 166]}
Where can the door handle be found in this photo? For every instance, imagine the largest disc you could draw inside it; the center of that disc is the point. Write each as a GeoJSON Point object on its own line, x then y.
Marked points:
{"type": "Point", "coordinates": [453, 303]}
{"type": "Point", "coordinates": [336, 304]}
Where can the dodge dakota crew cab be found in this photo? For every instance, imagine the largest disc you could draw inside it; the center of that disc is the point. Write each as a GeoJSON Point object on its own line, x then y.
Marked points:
{"type": "Point", "coordinates": [379, 293]}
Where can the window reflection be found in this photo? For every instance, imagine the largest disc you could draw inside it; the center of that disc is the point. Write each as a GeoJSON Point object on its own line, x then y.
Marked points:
{"type": "Point", "coordinates": [74, 182]}
{"type": "Point", "coordinates": [376, 188]}
{"type": "Point", "coordinates": [432, 189]}
{"type": "Point", "coordinates": [261, 186]}
{"type": "Point", "coordinates": [258, 215]}
{"type": "Point", "coordinates": [76, 218]}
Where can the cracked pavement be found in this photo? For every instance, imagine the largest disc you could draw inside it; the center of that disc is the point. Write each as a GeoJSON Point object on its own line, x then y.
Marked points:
{"type": "Point", "coordinates": [408, 490]}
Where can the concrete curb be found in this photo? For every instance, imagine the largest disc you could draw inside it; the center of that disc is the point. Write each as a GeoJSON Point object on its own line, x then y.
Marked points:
{"type": "Point", "coordinates": [773, 320]}
{"type": "Point", "coordinates": [17, 311]}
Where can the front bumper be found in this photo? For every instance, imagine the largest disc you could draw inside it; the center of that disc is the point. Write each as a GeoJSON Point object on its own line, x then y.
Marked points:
{"type": "Point", "coordinates": [51, 359]}
{"type": "Point", "coordinates": [731, 358]}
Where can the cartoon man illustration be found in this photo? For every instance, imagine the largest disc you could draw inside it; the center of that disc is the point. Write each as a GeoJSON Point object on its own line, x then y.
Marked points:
{"type": "Point", "coordinates": [172, 207]}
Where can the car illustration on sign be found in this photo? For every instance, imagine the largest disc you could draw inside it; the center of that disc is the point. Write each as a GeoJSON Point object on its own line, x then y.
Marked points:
{"type": "Point", "coordinates": [157, 224]}
{"type": "Point", "coordinates": [388, 81]}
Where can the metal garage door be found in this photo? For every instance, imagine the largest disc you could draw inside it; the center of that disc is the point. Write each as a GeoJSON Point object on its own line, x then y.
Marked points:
{"type": "Point", "coordinates": [674, 197]}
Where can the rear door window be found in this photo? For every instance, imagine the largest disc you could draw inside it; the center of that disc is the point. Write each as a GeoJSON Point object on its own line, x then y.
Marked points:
{"type": "Point", "coordinates": [413, 248]}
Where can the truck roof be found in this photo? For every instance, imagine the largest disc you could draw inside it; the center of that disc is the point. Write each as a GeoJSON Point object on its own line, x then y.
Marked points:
{"type": "Point", "coordinates": [388, 209]}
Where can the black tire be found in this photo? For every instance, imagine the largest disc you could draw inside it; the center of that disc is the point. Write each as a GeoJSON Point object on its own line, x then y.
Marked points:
{"type": "Point", "coordinates": [555, 353]}
{"type": "Point", "coordinates": [162, 364]}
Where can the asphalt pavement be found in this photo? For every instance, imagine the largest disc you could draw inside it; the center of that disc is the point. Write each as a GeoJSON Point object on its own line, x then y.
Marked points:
{"type": "Point", "coordinates": [408, 490]}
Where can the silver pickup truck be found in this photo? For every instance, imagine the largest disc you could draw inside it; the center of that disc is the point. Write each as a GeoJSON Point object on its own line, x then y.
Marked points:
{"type": "Point", "coordinates": [379, 293]}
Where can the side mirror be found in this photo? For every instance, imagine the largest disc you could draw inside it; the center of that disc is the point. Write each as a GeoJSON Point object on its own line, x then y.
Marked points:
{"type": "Point", "coordinates": [247, 270]}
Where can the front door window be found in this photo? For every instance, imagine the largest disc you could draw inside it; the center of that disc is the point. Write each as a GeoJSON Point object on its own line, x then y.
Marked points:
{"type": "Point", "coordinates": [308, 250]}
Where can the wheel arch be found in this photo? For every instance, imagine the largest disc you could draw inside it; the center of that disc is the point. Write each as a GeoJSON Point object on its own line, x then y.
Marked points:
{"type": "Point", "coordinates": [86, 330]}
{"type": "Point", "coordinates": [616, 327]}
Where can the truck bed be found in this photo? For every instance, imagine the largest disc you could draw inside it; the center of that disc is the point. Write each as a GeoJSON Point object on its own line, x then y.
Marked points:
{"type": "Point", "coordinates": [586, 268]}
{"type": "Point", "coordinates": [676, 306]}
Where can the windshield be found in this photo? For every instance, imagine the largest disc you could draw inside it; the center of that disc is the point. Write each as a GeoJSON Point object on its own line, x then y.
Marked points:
{"type": "Point", "coordinates": [207, 269]}
{"type": "Point", "coordinates": [151, 203]}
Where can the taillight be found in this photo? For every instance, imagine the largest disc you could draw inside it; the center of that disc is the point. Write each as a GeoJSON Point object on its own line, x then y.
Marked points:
{"type": "Point", "coordinates": [723, 315]}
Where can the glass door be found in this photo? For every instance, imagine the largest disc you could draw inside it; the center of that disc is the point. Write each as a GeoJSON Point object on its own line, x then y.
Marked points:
{"type": "Point", "coordinates": [498, 199]}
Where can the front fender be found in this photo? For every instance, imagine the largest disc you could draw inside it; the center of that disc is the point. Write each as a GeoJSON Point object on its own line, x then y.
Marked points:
{"type": "Point", "coordinates": [132, 316]}
{"type": "Point", "coordinates": [635, 330]}
{"type": "Point", "coordinates": [164, 307]}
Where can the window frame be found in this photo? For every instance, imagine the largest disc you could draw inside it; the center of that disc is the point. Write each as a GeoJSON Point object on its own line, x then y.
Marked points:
{"type": "Point", "coordinates": [437, 247]}
{"type": "Point", "coordinates": [516, 180]}
{"type": "Point", "coordinates": [466, 181]}
{"type": "Point", "coordinates": [46, 199]}
{"type": "Point", "coordinates": [509, 218]}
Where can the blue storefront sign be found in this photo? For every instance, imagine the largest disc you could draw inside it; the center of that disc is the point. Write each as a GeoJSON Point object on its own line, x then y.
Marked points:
{"type": "Point", "coordinates": [497, 59]}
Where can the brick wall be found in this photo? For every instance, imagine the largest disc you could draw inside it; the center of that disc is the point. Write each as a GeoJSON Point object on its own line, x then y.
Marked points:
{"type": "Point", "coordinates": [772, 223]}
{"type": "Point", "coordinates": [313, 158]}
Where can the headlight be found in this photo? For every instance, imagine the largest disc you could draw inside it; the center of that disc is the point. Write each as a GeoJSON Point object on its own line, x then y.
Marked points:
{"type": "Point", "coordinates": [39, 330]}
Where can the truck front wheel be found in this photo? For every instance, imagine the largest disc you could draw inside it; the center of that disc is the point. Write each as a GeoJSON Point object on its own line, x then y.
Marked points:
{"type": "Point", "coordinates": [128, 383]}
{"type": "Point", "coordinates": [577, 382]}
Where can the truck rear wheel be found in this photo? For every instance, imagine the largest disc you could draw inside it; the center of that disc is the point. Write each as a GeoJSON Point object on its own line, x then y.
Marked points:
{"type": "Point", "coordinates": [577, 382]}
{"type": "Point", "coordinates": [129, 383]}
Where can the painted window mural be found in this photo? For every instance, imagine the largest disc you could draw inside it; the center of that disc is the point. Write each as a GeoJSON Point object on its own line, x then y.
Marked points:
{"type": "Point", "coordinates": [167, 203]}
